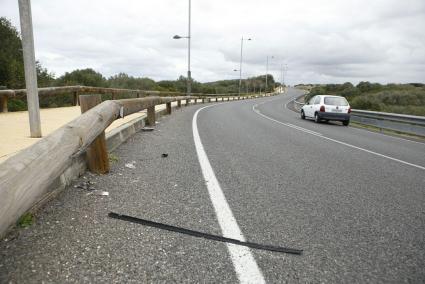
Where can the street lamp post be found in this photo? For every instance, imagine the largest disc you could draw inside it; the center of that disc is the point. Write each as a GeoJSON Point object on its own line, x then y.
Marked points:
{"type": "Point", "coordinates": [240, 65]}
{"type": "Point", "coordinates": [189, 74]}
{"type": "Point", "coordinates": [267, 71]}
{"type": "Point", "coordinates": [30, 67]}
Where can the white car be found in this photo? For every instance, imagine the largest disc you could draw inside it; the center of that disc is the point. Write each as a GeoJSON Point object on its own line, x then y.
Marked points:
{"type": "Point", "coordinates": [327, 108]}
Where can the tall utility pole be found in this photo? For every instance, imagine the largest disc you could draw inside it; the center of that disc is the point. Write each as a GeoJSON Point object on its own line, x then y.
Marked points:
{"type": "Point", "coordinates": [240, 65]}
{"type": "Point", "coordinates": [29, 66]}
{"type": "Point", "coordinates": [189, 75]}
{"type": "Point", "coordinates": [267, 70]}
{"type": "Point", "coordinates": [282, 80]}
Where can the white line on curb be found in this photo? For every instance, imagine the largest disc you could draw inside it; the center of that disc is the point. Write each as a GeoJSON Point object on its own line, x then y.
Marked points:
{"type": "Point", "coordinates": [246, 268]}
{"type": "Point", "coordinates": [254, 108]}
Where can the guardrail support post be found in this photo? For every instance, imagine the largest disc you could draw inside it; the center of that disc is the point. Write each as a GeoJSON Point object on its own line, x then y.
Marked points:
{"type": "Point", "coordinates": [168, 105]}
{"type": "Point", "coordinates": [195, 101]}
{"type": "Point", "coordinates": [3, 104]}
{"type": "Point", "coordinates": [187, 102]}
{"type": "Point", "coordinates": [179, 103]}
{"type": "Point", "coordinates": [151, 116]}
{"type": "Point", "coordinates": [203, 100]}
{"type": "Point", "coordinates": [97, 154]}
{"type": "Point", "coordinates": [75, 98]}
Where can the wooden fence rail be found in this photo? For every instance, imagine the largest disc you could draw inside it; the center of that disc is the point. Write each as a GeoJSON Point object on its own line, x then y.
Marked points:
{"type": "Point", "coordinates": [75, 91]}
{"type": "Point", "coordinates": [28, 176]}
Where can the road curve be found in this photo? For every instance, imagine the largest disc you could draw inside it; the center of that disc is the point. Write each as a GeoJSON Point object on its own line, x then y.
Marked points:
{"type": "Point", "coordinates": [359, 216]}
{"type": "Point", "coordinates": [353, 200]}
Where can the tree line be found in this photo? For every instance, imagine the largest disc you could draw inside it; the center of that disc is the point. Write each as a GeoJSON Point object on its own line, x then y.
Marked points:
{"type": "Point", "coordinates": [12, 77]}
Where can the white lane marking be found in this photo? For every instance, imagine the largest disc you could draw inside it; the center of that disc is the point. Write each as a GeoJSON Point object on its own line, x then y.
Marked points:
{"type": "Point", "coordinates": [246, 268]}
{"type": "Point", "coordinates": [254, 108]}
{"type": "Point", "coordinates": [360, 129]}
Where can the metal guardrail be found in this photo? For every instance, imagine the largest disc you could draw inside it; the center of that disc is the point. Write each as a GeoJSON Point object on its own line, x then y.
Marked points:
{"type": "Point", "coordinates": [410, 124]}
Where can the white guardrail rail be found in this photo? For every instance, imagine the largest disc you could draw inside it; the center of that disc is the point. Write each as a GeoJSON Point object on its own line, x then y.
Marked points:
{"type": "Point", "coordinates": [410, 124]}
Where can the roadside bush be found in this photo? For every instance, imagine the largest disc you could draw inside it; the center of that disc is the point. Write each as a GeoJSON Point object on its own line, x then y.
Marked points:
{"type": "Point", "coordinates": [14, 104]}
{"type": "Point", "coordinates": [366, 103]}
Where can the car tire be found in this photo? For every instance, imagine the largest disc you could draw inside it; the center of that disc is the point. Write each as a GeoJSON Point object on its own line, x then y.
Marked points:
{"type": "Point", "coordinates": [316, 118]}
{"type": "Point", "coordinates": [346, 122]}
{"type": "Point", "coordinates": [302, 114]}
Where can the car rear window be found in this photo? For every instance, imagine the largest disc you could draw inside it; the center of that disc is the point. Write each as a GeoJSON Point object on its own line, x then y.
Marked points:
{"type": "Point", "coordinates": [336, 101]}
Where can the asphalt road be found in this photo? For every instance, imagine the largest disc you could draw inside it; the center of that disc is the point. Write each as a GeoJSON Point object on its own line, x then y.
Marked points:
{"type": "Point", "coordinates": [353, 200]}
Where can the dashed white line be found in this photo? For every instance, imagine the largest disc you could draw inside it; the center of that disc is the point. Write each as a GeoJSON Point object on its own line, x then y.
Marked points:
{"type": "Point", "coordinates": [254, 108]}
{"type": "Point", "coordinates": [244, 263]}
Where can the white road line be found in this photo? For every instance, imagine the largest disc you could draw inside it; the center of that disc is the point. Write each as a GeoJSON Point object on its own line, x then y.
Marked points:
{"type": "Point", "coordinates": [246, 268]}
{"type": "Point", "coordinates": [360, 129]}
{"type": "Point", "coordinates": [254, 108]}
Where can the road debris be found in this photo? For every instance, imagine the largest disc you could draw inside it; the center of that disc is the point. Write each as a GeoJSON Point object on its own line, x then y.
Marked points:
{"type": "Point", "coordinates": [203, 235]}
{"type": "Point", "coordinates": [99, 192]}
{"type": "Point", "coordinates": [86, 185]}
{"type": "Point", "coordinates": [147, 129]}
{"type": "Point", "coordinates": [131, 165]}
{"type": "Point", "coordinates": [165, 155]}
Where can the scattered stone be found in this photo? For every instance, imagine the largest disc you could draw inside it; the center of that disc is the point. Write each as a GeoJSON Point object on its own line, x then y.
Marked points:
{"type": "Point", "coordinates": [86, 185]}
{"type": "Point", "coordinates": [165, 155]}
{"type": "Point", "coordinates": [99, 193]}
{"type": "Point", "coordinates": [131, 165]}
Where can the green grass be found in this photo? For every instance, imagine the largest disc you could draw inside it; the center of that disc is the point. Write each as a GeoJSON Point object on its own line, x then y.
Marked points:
{"type": "Point", "coordinates": [388, 131]}
{"type": "Point", "coordinates": [26, 220]}
{"type": "Point", "coordinates": [113, 158]}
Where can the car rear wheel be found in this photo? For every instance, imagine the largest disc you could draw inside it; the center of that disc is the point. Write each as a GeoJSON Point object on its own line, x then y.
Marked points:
{"type": "Point", "coordinates": [346, 122]}
{"type": "Point", "coordinates": [316, 118]}
{"type": "Point", "coordinates": [302, 114]}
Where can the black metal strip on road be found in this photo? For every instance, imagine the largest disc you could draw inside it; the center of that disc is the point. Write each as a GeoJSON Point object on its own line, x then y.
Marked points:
{"type": "Point", "coordinates": [203, 235]}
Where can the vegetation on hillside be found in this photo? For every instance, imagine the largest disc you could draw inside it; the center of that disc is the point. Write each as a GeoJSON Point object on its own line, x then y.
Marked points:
{"type": "Point", "coordinates": [12, 77]}
{"type": "Point", "coordinates": [395, 98]}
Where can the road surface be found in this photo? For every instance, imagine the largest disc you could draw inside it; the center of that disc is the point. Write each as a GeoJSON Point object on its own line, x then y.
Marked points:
{"type": "Point", "coordinates": [351, 199]}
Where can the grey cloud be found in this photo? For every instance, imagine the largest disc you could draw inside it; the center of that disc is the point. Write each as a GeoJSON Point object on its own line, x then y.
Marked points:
{"type": "Point", "coordinates": [321, 41]}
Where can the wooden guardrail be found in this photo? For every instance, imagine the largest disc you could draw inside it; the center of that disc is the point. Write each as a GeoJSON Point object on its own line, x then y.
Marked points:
{"type": "Point", "coordinates": [75, 91]}
{"type": "Point", "coordinates": [26, 177]}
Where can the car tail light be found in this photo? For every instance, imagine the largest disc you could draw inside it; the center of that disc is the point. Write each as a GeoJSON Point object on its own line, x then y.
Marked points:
{"type": "Point", "coordinates": [322, 109]}
{"type": "Point", "coordinates": [349, 110]}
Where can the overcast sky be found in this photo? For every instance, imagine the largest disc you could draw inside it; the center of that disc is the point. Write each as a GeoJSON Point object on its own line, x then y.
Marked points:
{"type": "Point", "coordinates": [326, 41]}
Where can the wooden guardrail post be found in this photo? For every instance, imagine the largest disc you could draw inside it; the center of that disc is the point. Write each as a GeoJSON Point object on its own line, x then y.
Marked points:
{"type": "Point", "coordinates": [168, 105]}
{"type": "Point", "coordinates": [187, 102]}
{"type": "Point", "coordinates": [3, 104]}
{"type": "Point", "coordinates": [75, 98]}
{"type": "Point", "coordinates": [151, 116]}
{"type": "Point", "coordinates": [97, 154]}
{"type": "Point", "coordinates": [179, 103]}
{"type": "Point", "coordinates": [203, 100]}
